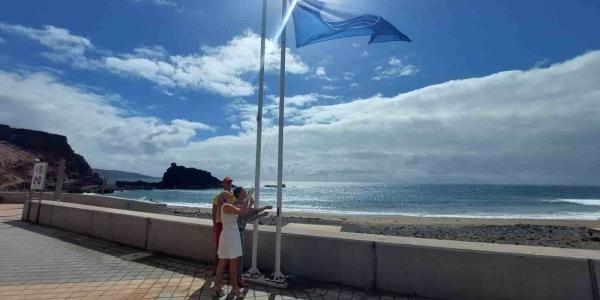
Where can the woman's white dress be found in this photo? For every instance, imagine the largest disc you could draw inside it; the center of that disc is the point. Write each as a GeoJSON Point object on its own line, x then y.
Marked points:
{"type": "Point", "coordinates": [230, 244]}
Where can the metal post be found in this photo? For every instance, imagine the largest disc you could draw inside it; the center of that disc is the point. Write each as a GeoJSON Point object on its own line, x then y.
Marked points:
{"type": "Point", "coordinates": [277, 275]}
{"type": "Point", "coordinates": [60, 173]}
{"type": "Point", "coordinates": [37, 217]}
{"type": "Point", "coordinates": [29, 201]}
{"type": "Point", "coordinates": [254, 272]}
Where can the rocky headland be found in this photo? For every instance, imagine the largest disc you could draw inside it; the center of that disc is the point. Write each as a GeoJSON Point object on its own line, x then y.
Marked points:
{"type": "Point", "coordinates": [176, 177]}
{"type": "Point", "coordinates": [21, 148]}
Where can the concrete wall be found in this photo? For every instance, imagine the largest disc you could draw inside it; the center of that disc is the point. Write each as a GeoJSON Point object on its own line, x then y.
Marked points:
{"type": "Point", "coordinates": [95, 200]}
{"type": "Point", "coordinates": [12, 197]}
{"type": "Point", "coordinates": [466, 274]}
{"type": "Point", "coordinates": [113, 202]}
{"type": "Point", "coordinates": [431, 268]}
{"type": "Point", "coordinates": [120, 228]}
{"type": "Point", "coordinates": [327, 258]}
{"type": "Point", "coordinates": [177, 236]}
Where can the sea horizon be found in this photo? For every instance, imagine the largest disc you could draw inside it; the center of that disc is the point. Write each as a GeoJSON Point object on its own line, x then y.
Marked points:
{"type": "Point", "coordinates": [502, 201]}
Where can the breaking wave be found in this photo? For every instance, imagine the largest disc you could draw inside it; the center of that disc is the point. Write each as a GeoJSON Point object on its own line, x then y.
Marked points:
{"type": "Point", "coordinates": [591, 202]}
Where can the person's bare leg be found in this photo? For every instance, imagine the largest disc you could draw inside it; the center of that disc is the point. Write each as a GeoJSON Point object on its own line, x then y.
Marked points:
{"type": "Point", "coordinates": [213, 270]}
{"type": "Point", "coordinates": [219, 275]}
{"type": "Point", "coordinates": [233, 275]}
{"type": "Point", "coordinates": [240, 265]}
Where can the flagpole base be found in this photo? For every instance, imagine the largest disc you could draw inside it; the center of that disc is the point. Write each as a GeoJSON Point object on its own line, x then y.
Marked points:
{"type": "Point", "coordinates": [269, 281]}
{"type": "Point", "coordinates": [277, 277]}
{"type": "Point", "coordinates": [252, 273]}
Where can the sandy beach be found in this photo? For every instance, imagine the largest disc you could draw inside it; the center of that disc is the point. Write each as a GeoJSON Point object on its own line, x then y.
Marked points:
{"type": "Point", "coordinates": [533, 232]}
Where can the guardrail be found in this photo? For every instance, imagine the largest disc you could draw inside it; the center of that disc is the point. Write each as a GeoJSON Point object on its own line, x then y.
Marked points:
{"type": "Point", "coordinates": [430, 268]}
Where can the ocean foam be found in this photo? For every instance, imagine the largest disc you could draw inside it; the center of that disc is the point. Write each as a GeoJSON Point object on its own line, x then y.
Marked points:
{"type": "Point", "coordinates": [316, 210]}
{"type": "Point", "coordinates": [543, 216]}
{"type": "Point", "coordinates": [591, 202]}
{"type": "Point", "coordinates": [189, 204]}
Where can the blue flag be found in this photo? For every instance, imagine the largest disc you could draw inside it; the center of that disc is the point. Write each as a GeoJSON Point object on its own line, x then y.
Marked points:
{"type": "Point", "coordinates": [316, 21]}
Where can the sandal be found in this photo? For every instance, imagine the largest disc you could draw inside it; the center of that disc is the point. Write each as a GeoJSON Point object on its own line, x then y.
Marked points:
{"type": "Point", "coordinates": [218, 291]}
{"type": "Point", "coordinates": [237, 293]}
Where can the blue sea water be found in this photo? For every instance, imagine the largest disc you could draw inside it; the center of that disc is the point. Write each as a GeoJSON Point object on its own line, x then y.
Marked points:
{"type": "Point", "coordinates": [440, 200]}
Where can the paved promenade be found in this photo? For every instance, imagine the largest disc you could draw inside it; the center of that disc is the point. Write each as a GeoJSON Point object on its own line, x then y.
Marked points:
{"type": "Point", "coordinates": [40, 262]}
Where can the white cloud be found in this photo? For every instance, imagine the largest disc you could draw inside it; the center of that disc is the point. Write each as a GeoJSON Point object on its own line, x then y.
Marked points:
{"type": "Point", "coordinates": [394, 69]}
{"type": "Point", "coordinates": [165, 3]}
{"type": "Point", "coordinates": [156, 71]}
{"type": "Point", "coordinates": [327, 59]}
{"type": "Point", "coordinates": [153, 106]}
{"type": "Point", "coordinates": [330, 87]}
{"type": "Point", "coordinates": [152, 52]}
{"type": "Point", "coordinates": [63, 45]}
{"type": "Point", "coordinates": [365, 53]}
{"type": "Point", "coordinates": [53, 37]}
{"type": "Point", "coordinates": [349, 75]}
{"type": "Point", "coordinates": [243, 114]}
{"type": "Point", "coordinates": [166, 92]}
{"type": "Point", "coordinates": [354, 85]}
{"type": "Point", "coordinates": [321, 73]}
{"type": "Point", "coordinates": [95, 125]}
{"type": "Point", "coordinates": [534, 126]}
{"type": "Point", "coordinates": [301, 100]}
{"type": "Point", "coordinates": [215, 69]}
{"type": "Point", "coordinates": [541, 63]}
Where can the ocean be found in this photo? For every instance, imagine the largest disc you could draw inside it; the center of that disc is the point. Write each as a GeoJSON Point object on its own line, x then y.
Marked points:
{"type": "Point", "coordinates": [430, 200]}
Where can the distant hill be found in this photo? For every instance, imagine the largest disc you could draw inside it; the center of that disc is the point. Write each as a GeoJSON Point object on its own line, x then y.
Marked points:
{"type": "Point", "coordinates": [113, 176]}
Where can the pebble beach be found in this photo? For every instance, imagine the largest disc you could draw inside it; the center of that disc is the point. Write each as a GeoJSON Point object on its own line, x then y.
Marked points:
{"type": "Point", "coordinates": [533, 232]}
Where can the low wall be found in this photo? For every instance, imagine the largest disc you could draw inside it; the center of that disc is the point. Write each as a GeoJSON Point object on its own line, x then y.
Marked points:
{"type": "Point", "coordinates": [87, 199]}
{"type": "Point", "coordinates": [13, 197]}
{"type": "Point", "coordinates": [430, 268]}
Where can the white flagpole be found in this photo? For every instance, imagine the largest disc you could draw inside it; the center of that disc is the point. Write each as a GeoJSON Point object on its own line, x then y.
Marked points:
{"type": "Point", "coordinates": [277, 275]}
{"type": "Point", "coordinates": [254, 272]}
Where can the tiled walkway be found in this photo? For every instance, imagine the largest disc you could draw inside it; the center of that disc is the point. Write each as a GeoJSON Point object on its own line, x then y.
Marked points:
{"type": "Point", "coordinates": [40, 262]}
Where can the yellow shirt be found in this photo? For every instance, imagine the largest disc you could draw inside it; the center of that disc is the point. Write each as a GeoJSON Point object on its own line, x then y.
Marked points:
{"type": "Point", "coordinates": [218, 202]}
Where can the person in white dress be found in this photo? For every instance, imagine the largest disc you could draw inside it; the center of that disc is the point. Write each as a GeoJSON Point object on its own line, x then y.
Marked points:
{"type": "Point", "coordinates": [230, 245]}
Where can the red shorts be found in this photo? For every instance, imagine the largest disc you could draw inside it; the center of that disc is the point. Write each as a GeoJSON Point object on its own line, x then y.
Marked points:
{"type": "Point", "coordinates": [217, 231]}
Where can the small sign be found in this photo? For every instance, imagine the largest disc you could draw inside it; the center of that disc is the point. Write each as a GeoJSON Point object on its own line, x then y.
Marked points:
{"type": "Point", "coordinates": [39, 176]}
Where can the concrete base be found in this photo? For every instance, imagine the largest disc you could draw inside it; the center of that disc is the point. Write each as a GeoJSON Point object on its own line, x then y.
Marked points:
{"type": "Point", "coordinates": [264, 281]}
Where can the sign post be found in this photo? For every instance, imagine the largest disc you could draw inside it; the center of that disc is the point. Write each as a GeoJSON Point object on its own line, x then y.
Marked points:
{"type": "Point", "coordinates": [37, 183]}
{"type": "Point", "coordinates": [60, 174]}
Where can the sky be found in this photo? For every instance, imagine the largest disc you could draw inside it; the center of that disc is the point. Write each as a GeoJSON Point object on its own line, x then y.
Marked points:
{"type": "Point", "coordinates": [503, 92]}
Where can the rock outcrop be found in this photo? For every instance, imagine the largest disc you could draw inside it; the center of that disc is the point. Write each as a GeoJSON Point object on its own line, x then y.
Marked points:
{"type": "Point", "coordinates": [176, 177]}
{"type": "Point", "coordinates": [19, 149]}
{"type": "Point", "coordinates": [180, 177]}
